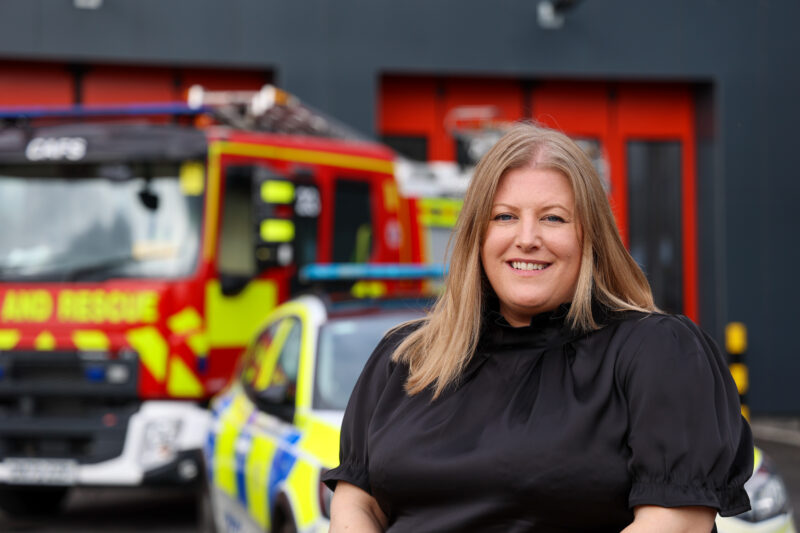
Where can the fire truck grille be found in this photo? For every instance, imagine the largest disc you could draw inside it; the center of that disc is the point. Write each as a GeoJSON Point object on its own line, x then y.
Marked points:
{"type": "Point", "coordinates": [65, 404]}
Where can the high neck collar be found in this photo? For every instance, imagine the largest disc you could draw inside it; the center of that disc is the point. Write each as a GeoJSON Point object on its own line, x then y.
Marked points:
{"type": "Point", "coordinates": [543, 329]}
{"type": "Point", "coordinates": [545, 319]}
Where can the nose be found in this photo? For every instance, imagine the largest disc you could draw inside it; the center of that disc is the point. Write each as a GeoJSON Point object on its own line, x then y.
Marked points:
{"type": "Point", "coordinates": [529, 236]}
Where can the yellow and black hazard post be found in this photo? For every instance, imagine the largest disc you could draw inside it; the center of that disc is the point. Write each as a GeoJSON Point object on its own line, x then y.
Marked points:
{"type": "Point", "coordinates": [736, 346]}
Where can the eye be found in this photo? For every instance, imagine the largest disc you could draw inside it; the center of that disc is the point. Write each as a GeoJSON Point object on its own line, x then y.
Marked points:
{"type": "Point", "coordinates": [553, 218]}
{"type": "Point", "coordinates": [503, 217]}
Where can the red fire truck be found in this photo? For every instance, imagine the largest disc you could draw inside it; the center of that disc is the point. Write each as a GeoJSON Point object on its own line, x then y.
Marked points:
{"type": "Point", "coordinates": [137, 257]}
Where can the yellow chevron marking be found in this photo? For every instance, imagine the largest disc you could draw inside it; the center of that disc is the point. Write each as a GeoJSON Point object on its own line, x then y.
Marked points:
{"type": "Point", "coordinates": [152, 350]}
{"type": "Point", "coordinates": [8, 338]}
{"type": "Point", "coordinates": [90, 339]}
{"type": "Point", "coordinates": [182, 381]}
{"type": "Point", "coordinates": [185, 321]}
{"type": "Point", "coordinates": [45, 341]}
{"type": "Point", "coordinates": [198, 343]}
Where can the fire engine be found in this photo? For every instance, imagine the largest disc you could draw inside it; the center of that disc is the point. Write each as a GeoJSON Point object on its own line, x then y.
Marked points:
{"type": "Point", "coordinates": [141, 248]}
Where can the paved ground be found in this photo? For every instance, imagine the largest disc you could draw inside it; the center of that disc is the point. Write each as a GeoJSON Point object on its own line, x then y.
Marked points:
{"type": "Point", "coordinates": [116, 511]}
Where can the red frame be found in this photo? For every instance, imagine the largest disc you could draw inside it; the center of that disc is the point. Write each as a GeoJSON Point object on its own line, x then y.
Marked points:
{"type": "Point", "coordinates": [612, 113]}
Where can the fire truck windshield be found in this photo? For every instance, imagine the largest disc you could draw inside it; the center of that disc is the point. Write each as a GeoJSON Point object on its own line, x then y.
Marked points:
{"type": "Point", "coordinates": [91, 222]}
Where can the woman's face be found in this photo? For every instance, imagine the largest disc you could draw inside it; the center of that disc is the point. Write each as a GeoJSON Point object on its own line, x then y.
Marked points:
{"type": "Point", "coordinates": [531, 252]}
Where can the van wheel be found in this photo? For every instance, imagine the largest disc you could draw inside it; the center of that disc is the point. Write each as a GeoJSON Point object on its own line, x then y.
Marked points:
{"type": "Point", "coordinates": [205, 509]}
{"type": "Point", "coordinates": [25, 501]}
{"type": "Point", "coordinates": [283, 521]}
{"type": "Point", "coordinates": [286, 525]}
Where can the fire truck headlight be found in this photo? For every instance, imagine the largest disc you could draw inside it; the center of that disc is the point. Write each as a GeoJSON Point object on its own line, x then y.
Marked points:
{"type": "Point", "coordinates": [159, 443]}
{"type": "Point", "coordinates": [117, 374]}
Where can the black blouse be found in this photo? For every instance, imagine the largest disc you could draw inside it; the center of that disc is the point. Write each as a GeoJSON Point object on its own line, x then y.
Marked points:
{"type": "Point", "coordinates": [548, 431]}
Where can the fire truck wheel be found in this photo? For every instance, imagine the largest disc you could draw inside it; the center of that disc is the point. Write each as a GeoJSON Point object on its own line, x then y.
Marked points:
{"type": "Point", "coordinates": [29, 501]}
{"type": "Point", "coordinates": [284, 521]}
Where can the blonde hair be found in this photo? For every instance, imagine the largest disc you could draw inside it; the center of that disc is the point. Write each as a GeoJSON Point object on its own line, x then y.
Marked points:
{"type": "Point", "coordinates": [439, 350]}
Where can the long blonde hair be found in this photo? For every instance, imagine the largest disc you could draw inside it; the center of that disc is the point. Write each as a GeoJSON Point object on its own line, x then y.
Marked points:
{"type": "Point", "coordinates": [439, 350]}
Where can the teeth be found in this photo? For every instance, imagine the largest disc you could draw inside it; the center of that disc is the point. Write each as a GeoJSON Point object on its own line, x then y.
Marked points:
{"type": "Point", "coordinates": [521, 265]}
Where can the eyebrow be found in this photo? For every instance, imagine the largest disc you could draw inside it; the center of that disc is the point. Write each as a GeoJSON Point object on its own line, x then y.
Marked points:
{"type": "Point", "coordinates": [545, 207]}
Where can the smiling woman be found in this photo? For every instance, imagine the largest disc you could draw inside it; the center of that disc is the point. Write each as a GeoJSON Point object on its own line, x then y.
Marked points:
{"type": "Point", "coordinates": [544, 392]}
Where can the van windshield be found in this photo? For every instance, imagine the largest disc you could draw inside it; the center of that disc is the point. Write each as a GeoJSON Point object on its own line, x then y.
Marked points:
{"type": "Point", "coordinates": [345, 344]}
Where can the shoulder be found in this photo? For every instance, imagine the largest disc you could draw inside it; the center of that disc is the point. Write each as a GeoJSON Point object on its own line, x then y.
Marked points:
{"type": "Point", "coordinates": [639, 327]}
{"type": "Point", "coordinates": [653, 329]}
{"type": "Point", "coordinates": [658, 342]}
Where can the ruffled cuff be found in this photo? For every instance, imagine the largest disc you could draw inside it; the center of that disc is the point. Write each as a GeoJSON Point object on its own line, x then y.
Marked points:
{"type": "Point", "coordinates": [350, 473]}
{"type": "Point", "coordinates": [728, 501]}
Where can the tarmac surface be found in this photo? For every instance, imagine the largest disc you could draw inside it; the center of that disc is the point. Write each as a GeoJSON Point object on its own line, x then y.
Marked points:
{"type": "Point", "coordinates": [95, 510]}
{"type": "Point", "coordinates": [163, 510]}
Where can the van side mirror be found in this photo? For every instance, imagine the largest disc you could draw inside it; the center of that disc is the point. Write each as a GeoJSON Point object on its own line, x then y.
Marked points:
{"type": "Point", "coordinates": [275, 400]}
{"type": "Point", "coordinates": [275, 393]}
{"type": "Point", "coordinates": [232, 284]}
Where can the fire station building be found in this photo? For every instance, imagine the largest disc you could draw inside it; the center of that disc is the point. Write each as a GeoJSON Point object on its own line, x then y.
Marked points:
{"type": "Point", "coordinates": [690, 109]}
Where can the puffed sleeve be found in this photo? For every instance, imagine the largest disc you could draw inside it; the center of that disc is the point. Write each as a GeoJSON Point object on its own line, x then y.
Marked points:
{"type": "Point", "coordinates": [353, 450]}
{"type": "Point", "coordinates": [689, 444]}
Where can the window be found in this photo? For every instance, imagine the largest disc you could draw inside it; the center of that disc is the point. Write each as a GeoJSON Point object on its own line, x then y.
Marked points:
{"type": "Point", "coordinates": [285, 375]}
{"type": "Point", "coordinates": [236, 236]}
{"type": "Point", "coordinates": [269, 371]}
{"type": "Point", "coordinates": [352, 225]}
{"type": "Point", "coordinates": [412, 147]}
{"type": "Point", "coordinates": [255, 366]}
{"type": "Point", "coordinates": [307, 208]}
{"type": "Point", "coordinates": [344, 346]}
{"type": "Point", "coordinates": [654, 210]}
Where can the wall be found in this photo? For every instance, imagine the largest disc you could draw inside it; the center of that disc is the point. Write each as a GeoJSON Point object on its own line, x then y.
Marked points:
{"type": "Point", "coordinates": [740, 54]}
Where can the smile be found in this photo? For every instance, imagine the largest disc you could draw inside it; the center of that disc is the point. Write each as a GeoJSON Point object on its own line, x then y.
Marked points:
{"type": "Point", "coordinates": [523, 265]}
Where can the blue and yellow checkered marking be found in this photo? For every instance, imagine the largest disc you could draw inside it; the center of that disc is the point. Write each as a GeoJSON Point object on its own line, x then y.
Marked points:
{"type": "Point", "coordinates": [274, 458]}
{"type": "Point", "coordinates": [282, 463]}
{"type": "Point", "coordinates": [211, 440]}
{"type": "Point", "coordinates": [255, 463]}
{"type": "Point", "coordinates": [242, 451]}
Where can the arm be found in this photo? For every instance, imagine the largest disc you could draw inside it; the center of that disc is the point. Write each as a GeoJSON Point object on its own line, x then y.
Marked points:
{"type": "Point", "coordinates": [654, 519]}
{"type": "Point", "coordinates": [689, 445]}
{"type": "Point", "coordinates": [352, 509]}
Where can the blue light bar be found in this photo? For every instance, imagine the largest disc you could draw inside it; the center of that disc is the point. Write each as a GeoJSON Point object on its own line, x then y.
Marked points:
{"type": "Point", "coordinates": [168, 108]}
{"type": "Point", "coordinates": [387, 271]}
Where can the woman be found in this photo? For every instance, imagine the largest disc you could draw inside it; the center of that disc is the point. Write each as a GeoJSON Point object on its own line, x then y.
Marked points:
{"type": "Point", "coordinates": [545, 392]}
